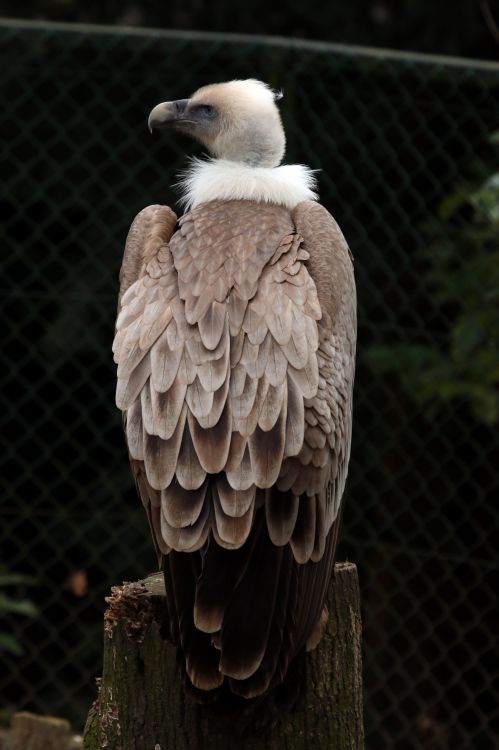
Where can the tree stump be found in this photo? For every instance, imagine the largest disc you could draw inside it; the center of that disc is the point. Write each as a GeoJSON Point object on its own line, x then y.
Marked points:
{"type": "Point", "coordinates": [32, 732]}
{"type": "Point", "coordinates": [142, 704]}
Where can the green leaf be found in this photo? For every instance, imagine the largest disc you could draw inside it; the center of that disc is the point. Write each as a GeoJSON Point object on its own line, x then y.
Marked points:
{"type": "Point", "coordinates": [466, 336]}
{"type": "Point", "coordinates": [14, 579]}
{"type": "Point", "coordinates": [453, 203]}
{"type": "Point", "coordinates": [486, 406]}
{"type": "Point", "coordinates": [10, 644]}
{"type": "Point", "coordinates": [18, 607]}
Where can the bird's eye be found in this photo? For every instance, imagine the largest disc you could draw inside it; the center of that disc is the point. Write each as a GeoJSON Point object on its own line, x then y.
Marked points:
{"type": "Point", "coordinates": [205, 110]}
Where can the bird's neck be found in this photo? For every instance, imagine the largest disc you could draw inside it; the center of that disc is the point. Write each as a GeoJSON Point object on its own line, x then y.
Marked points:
{"type": "Point", "coordinates": [221, 179]}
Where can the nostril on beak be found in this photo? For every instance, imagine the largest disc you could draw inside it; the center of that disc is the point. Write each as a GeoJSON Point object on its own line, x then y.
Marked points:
{"type": "Point", "coordinates": [180, 106]}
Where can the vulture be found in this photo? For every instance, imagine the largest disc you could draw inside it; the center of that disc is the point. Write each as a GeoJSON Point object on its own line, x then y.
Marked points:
{"type": "Point", "coordinates": [235, 352]}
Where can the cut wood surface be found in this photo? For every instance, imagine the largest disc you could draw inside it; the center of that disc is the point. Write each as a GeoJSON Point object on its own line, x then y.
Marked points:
{"type": "Point", "coordinates": [33, 732]}
{"type": "Point", "coordinates": [142, 704]}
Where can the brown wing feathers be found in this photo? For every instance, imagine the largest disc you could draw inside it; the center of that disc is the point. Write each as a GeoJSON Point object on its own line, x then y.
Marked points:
{"type": "Point", "coordinates": [237, 393]}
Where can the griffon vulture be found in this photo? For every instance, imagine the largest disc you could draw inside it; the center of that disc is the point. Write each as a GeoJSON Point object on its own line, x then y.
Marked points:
{"type": "Point", "coordinates": [235, 346]}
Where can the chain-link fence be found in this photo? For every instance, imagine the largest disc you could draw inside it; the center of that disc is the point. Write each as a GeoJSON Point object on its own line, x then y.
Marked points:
{"type": "Point", "coordinates": [403, 144]}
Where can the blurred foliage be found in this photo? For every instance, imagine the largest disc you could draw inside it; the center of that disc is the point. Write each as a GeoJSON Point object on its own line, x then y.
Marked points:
{"type": "Point", "coordinates": [462, 274]}
{"type": "Point", "coordinates": [419, 25]}
{"type": "Point", "coordinates": [12, 604]}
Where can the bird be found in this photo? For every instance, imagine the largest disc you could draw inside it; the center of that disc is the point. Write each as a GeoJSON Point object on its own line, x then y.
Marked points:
{"type": "Point", "coordinates": [235, 350]}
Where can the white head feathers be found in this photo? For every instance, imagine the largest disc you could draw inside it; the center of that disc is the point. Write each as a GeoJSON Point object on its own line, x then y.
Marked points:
{"type": "Point", "coordinates": [248, 125]}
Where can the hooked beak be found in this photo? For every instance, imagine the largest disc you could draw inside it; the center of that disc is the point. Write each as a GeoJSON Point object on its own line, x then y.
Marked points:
{"type": "Point", "coordinates": [167, 114]}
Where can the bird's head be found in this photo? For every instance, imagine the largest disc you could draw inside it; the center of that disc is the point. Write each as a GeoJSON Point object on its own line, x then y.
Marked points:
{"type": "Point", "coordinates": [238, 121]}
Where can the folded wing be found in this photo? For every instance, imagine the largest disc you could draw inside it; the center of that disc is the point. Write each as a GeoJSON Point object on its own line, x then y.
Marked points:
{"type": "Point", "coordinates": [235, 345]}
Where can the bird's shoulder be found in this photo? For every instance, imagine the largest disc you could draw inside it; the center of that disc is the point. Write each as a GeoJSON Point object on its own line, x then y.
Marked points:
{"type": "Point", "coordinates": [151, 229]}
{"type": "Point", "coordinates": [331, 262]}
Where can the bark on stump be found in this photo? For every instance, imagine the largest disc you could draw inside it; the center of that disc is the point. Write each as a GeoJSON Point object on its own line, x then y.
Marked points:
{"type": "Point", "coordinates": [142, 705]}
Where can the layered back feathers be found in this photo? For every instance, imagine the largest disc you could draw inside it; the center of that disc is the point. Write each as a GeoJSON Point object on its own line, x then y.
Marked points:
{"type": "Point", "coordinates": [217, 352]}
{"type": "Point", "coordinates": [235, 374]}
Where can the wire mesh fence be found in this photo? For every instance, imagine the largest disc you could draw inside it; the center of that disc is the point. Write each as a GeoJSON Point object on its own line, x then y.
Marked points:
{"type": "Point", "coordinates": [407, 162]}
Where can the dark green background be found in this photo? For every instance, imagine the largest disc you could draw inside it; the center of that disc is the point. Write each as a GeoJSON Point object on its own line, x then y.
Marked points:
{"type": "Point", "coordinates": [445, 27]}
{"type": "Point", "coordinates": [393, 136]}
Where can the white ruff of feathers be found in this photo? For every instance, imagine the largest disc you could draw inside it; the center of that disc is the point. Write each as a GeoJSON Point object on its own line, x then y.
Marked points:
{"type": "Point", "coordinates": [220, 179]}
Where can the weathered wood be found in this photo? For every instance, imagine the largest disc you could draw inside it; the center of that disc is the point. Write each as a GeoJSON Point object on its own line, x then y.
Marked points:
{"type": "Point", "coordinates": [142, 705]}
{"type": "Point", "coordinates": [33, 732]}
